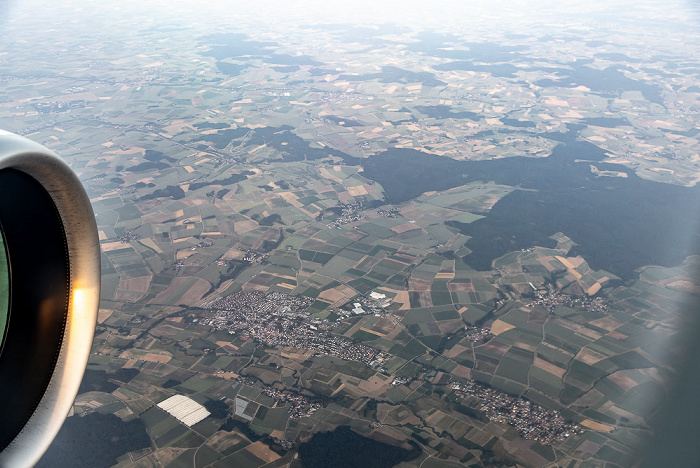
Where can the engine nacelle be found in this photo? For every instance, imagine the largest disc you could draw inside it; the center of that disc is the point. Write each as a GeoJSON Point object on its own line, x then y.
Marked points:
{"type": "Point", "coordinates": [51, 280]}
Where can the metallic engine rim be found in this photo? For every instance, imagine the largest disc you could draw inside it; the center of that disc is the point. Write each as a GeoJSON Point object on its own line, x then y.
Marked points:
{"type": "Point", "coordinates": [82, 240]}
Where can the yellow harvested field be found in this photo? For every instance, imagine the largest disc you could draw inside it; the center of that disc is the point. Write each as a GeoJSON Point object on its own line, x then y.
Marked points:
{"type": "Point", "coordinates": [455, 351]}
{"type": "Point", "coordinates": [109, 246]}
{"type": "Point", "coordinates": [191, 297]}
{"type": "Point", "coordinates": [183, 254]}
{"type": "Point", "coordinates": [549, 367]}
{"type": "Point", "coordinates": [292, 353]}
{"type": "Point", "coordinates": [340, 293]}
{"type": "Point", "coordinates": [374, 385]}
{"type": "Point", "coordinates": [241, 227]}
{"type": "Point", "coordinates": [596, 426]}
{"type": "Point", "coordinates": [357, 191]}
{"type": "Point", "coordinates": [623, 381]}
{"type": "Point", "coordinates": [570, 265]}
{"type": "Point", "coordinates": [103, 314]}
{"type": "Point", "coordinates": [263, 452]}
{"type": "Point", "coordinates": [445, 275]}
{"type": "Point", "coordinates": [135, 355]}
{"type": "Point", "coordinates": [177, 126]}
{"type": "Point", "coordinates": [593, 289]}
{"type": "Point", "coordinates": [462, 371]}
{"type": "Point", "coordinates": [195, 294]}
{"type": "Point", "coordinates": [150, 243]}
{"type": "Point", "coordinates": [499, 326]}
{"type": "Point", "coordinates": [403, 299]}
{"type": "Point", "coordinates": [335, 392]}
{"type": "Point", "coordinates": [154, 357]}
{"type": "Point", "coordinates": [226, 343]}
{"type": "Point", "coordinates": [683, 285]}
{"type": "Point", "coordinates": [546, 262]}
{"type": "Point", "coordinates": [590, 357]}
{"type": "Point", "coordinates": [593, 335]}
{"type": "Point", "coordinates": [326, 174]}
{"type": "Point", "coordinates": [374, 332]}
{"type": "Point", "coordinates": [287, 277]}
{"type": "Point", "coordinates": [120, 395]}
{"type": "Point", "coordinates": [288, 196]}
{"type": "Point", "coordinates": [435, 418]}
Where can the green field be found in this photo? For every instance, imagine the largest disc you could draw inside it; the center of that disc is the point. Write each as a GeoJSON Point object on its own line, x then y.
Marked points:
{"type": "Point", "coordinates": [209, 181]}
{"type": "Point", "coordinates": [197, 385]}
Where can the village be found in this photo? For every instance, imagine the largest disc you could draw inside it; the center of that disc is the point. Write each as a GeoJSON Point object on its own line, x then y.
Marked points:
{"type": "Point", "coordinates": [532, 421]}
{"type": "Point", "coordinates": [278, 319]}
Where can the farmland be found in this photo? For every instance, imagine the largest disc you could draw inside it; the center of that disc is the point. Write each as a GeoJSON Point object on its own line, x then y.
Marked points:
{"type": "Point", "coordinates": [463, 242]}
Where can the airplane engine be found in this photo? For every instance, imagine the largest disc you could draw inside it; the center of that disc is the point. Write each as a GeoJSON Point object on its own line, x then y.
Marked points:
{"type": "Point", "coordinates": [49, 293]}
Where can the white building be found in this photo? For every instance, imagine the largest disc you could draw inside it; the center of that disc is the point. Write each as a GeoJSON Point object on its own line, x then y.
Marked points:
{"type": "Point", "coordinates": [184, 409]}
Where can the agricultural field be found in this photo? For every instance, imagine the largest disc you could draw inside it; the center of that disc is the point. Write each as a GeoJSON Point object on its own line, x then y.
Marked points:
{"type": "Point", "coordinates": [424, 233]}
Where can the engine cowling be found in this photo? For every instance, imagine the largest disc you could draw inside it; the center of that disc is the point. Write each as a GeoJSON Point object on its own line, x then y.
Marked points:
{"type": "Point", "coordinates": [52, 282]}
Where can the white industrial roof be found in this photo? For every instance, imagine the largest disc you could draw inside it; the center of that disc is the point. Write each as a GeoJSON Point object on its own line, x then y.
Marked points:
{"type": "Point", "coordinates": [184, 409]}
{"type": "Point", "coordinates": [241, 406]}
